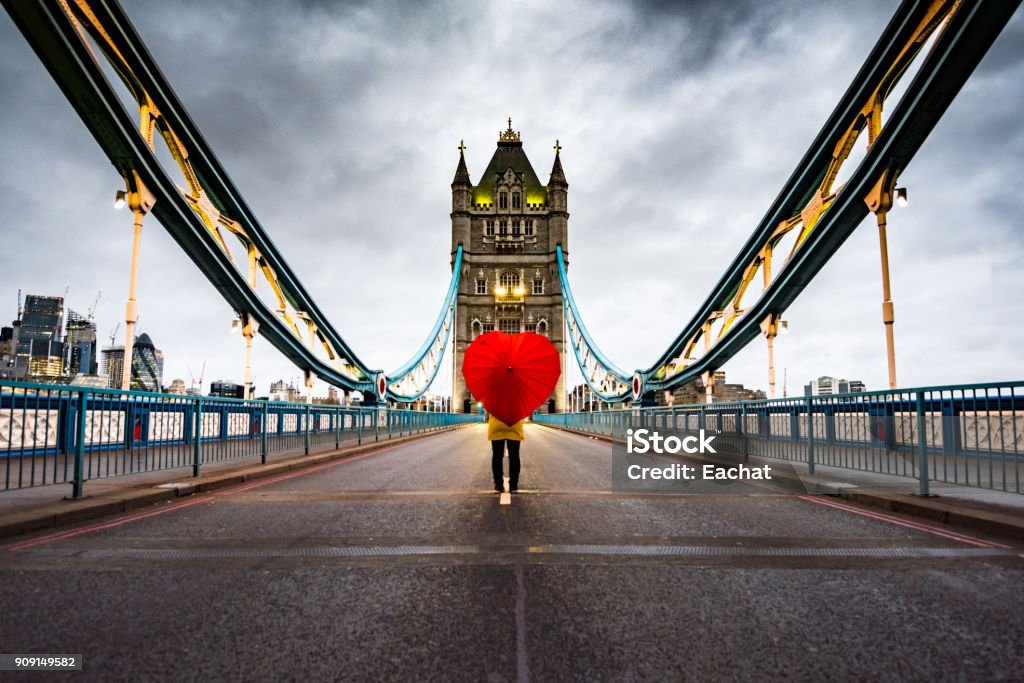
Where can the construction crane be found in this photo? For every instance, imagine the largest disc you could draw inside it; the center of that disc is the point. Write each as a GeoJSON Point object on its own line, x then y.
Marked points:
{"type": "Point", "coordinates": [113, 335]}
{"type": "Point", "coordinates": [92, 309]}
{"type": "Point", "coordinates": [193, 377]}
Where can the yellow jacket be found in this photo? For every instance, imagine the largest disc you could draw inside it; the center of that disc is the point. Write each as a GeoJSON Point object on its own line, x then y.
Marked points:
{"type": "Point", "coordinates": [496, 429]}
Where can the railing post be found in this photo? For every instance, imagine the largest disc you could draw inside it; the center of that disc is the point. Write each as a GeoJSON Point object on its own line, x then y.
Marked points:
{"type": "Point", "coordinates": [743, 432]}
{"type": "Point", "coordinates": [307, 430]}
{"type": "Point", "coordinates": [263, 433]}
{"type": "Point", "coordinates": [78, 486]}
{"type": "Point", "coordinates": [197, 449]}
{"type": "Point", "coordinates": [376, 424]}
{"type": "Point", "coordinates": [337, 428]}
{"type": "Point", "coordinates": [922, 449]}
{"type": "Point", "coordinates": [810, 437]}
{"type": "Point", "coordinates": [359, 433]}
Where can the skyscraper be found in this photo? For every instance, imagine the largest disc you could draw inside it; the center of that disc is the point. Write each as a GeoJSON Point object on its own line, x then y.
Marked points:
{"type": "Point", "coordinates": [80, 345]}
{"type": "Point", "coordinates": [147, 365]}
{"type": "Point", "coordinates": [40, 349]}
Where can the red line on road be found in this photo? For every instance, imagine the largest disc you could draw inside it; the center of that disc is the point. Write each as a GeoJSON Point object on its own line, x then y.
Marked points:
{"type": "Point", "coordinates": [60, 535]}
{"type": "Point", "coordinates": [881, 516]}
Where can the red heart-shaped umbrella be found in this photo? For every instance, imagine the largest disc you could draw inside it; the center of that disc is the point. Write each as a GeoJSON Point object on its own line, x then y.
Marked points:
{"type": "Point", "coordinates": [511, 374]}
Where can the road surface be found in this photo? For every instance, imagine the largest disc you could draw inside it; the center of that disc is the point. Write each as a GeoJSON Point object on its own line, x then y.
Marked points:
{"type": "Point", "coordinates": [404, 565]}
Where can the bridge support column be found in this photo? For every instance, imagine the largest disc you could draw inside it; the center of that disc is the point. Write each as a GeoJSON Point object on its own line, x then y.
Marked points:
{"type": "Point", "coordinates": [879, 201]}
{"type": "Point", "coordinates": [140, 201]}
{"type": "Point", "coordinates": [309, 386]}
{"type": "Point", "coordinates": [770, 327]}
{"type": "Point", "coordinates": [249, 329]}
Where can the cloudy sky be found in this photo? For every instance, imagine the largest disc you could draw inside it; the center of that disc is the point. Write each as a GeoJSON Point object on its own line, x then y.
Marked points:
{"type": "Point", "coordinates": [679, 124]}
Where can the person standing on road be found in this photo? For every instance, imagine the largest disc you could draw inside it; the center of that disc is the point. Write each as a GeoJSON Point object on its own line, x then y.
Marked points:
{"type": "Point", "coordinates": [500, 435]}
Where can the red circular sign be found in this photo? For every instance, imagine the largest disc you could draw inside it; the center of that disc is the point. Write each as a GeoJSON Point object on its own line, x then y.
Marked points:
{"type": "Point", "coordinates": [382, 385]}
{"type": "Point", "coordinates": [638, 385]}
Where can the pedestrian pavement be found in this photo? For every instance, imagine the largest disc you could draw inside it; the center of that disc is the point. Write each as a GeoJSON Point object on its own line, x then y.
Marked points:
{"type": "Point", "coordinates": [986, 510]}
{"type": "Point", "coordinates": [30, 509]}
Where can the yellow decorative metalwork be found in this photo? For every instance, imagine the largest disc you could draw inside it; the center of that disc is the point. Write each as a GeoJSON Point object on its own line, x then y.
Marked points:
{"type": "Point", "coordinates": [86, 23]}
{"type": "Point", "coordinates": [806, 219]}
{"type": "Point", "coordinates": [509, 135]}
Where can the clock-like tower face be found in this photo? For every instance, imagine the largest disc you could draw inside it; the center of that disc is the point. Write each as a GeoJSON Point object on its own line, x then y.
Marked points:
{"type": "Point", "coordinates": [509, 225]}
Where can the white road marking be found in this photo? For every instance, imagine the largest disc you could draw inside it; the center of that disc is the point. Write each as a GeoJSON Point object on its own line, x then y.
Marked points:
{"type": "Point", "coordinates": [522, 658]}
{"type": "Point", "coordinates": [506, 498]}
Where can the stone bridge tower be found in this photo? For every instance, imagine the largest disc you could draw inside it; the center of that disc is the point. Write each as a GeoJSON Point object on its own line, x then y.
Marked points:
{"type": "Point", "coordinates": [508, 226]}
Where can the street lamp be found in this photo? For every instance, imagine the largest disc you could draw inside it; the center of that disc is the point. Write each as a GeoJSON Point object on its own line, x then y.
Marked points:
{"type": "Point", "coordinates": [901, 196]}
{"type": "Point", "coordinates": [119, 199]}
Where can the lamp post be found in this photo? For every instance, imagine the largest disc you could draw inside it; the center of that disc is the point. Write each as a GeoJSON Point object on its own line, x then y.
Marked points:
{"type": "Point", "coordinates": [140, 201]}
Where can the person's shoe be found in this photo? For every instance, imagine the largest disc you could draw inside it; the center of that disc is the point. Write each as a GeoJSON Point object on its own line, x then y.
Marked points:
{"type": "Point", "coordinates": [499, 488]}
{"type": "Point", "coordinates": [514, 488]}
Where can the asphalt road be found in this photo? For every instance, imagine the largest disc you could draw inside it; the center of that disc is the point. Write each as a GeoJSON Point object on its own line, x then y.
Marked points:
{"type": "Point", "coordinates": [404, 565]}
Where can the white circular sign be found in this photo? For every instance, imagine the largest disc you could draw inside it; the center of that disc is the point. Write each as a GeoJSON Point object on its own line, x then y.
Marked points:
{"type": "Point", "coordinates": [381, 385]}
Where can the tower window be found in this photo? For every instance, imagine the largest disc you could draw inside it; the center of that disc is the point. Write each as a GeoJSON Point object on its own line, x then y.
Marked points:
{"type": "Point", "coordinates": [515, 228]}
{"type": "Point", "coordinates": [515, 200]}
{"type": "Point", "coordinates": [502, 228]}
{"type": "Point", "coordinates": [509, 325]}
{"type": "Point", "coordinates": [538, 286]}
{"type": "Point", "coordinates": [503, 200]}
{"type": "Point", "coordinates": [510, 280]}
{"type": "Point", "coordinates": [529, 228]}
{"type": "Point", "coordinates": [489, 228]}
{"type": "Point", "coordinates": [542, 327]}
{"type": "Point", "coordinates": [481, 286]}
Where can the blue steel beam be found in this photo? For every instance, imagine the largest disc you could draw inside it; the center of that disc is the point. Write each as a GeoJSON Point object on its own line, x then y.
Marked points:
{"type": "Point", "coordinates": [605, 379]}
{"type": "Point", "coordinates": [411, 381]}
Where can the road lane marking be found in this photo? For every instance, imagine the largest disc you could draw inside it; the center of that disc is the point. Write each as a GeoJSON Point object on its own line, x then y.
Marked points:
{"type": "Point", "coordinates": [539, 549]}
{"type": "Point", "coordinates": [506, 497]}
{"type": "Point", "coordinates": [522, 656]}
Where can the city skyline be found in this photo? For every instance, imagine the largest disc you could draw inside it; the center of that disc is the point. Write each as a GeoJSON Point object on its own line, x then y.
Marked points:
{"type": "Point", "coordinates": [672, 154]}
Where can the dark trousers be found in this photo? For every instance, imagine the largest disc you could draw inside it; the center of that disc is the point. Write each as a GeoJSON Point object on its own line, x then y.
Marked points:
{"type": "Point", "coordinates": [497, 453]}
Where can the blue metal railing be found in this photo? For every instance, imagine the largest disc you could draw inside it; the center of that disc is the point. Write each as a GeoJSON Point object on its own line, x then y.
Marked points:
{"type": "Point", "coordinates": [966, 435]}
{"type": "Point", "coordinates": [53, 434]}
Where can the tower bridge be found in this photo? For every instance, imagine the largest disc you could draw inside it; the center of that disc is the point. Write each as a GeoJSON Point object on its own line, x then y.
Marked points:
{"type": "Point", "coordinates": [168, 537]}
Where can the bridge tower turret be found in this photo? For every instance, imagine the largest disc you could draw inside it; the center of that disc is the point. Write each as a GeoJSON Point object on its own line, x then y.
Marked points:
{"type": "Point", "coordinates": [462, 193]}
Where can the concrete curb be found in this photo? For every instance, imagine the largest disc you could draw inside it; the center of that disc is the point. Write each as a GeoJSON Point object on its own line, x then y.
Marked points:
{"type": "Point", "coordinates": [989, 519]}
{"type": "Point", "coordinates": [69, 512]}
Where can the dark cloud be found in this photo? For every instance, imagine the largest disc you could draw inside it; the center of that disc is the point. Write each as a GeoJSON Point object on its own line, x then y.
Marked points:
{"type": "Point", "coordinates": [679, 120]}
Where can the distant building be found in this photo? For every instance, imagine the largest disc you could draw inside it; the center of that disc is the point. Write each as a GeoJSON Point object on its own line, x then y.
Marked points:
{"type": "Point", "coordinates": [113, 365]}
{"type": "Point", "coordinates": [177, 387]}
{"type": "Point", "coordinates": [39, 351]}
{"type": "Point", "coordinates": [147, 365]}
{"type": "Point", "coordinates": [80, 345]}
{"type": "Point", "coordinates": [829, 386]}
{"type": "Point", "coordinates": [721, 391]}
{"type": "Point", "coordinates": [9, 370]}
{"type": "Point", "coordinates": [224, 389]}
{"type": "Point", "coordinates": [279, 391]}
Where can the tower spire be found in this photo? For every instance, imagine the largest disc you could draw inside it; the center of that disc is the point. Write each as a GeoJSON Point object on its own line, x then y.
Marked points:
{"type": "Point", "coordinates": [461, 172]}
{"type": "Point", "coordinates": [557, 174]}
